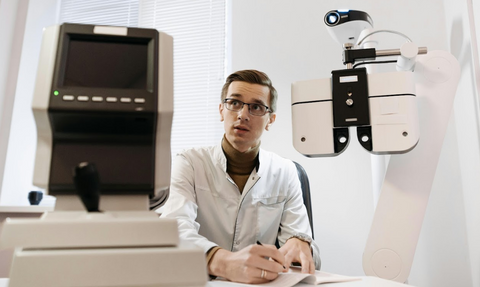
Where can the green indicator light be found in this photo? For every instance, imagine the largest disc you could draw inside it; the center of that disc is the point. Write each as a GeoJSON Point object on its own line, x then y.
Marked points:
{"type": "Point", "coordinates": [56, 93]}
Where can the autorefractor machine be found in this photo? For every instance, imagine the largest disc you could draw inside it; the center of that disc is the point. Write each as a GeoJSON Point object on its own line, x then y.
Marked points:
{"type": "Point", "coordinates": [103, 107]}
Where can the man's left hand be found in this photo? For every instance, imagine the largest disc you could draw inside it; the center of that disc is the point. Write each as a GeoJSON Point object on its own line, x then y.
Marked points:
{"type": "Point", "coordinates": [296, 250]}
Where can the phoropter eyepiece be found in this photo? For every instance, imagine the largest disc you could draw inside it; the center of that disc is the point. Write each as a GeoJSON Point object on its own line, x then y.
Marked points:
{"type": "Point", "coordinates": [332, 18]}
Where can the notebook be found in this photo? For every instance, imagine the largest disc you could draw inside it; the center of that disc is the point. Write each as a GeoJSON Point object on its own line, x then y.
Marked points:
{"type": "Point", "coordinates": [294, 276]}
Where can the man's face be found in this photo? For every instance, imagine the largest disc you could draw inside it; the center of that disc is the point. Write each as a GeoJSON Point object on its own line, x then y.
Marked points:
{"type": "Point", "coordinates": [243, 130]}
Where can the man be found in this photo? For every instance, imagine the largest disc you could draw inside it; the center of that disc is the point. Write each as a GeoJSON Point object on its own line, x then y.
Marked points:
{"type": "Point", "coordinates": [230, 198]}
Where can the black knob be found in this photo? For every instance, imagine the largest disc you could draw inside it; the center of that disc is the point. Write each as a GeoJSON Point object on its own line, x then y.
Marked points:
{"type": "Point", "coordinates": [87, 183]}
{"type": "Point", "coordinates": [34, 197]}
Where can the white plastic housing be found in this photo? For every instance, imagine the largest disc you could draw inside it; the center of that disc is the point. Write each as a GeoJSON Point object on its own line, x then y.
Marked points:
{"type": "Point", "coordinates": [312, 104]}
{"type": "Point", "coordinates": [348, 32]}
{"type": "Point", "coordinates": [393, 112]}
{"type": "Point", "coordinates": [182, 266]}
{"type": "Point", "coordinates": [392, 107]}
{"type": "Point", "coordinates": [101, 249]}
{"type": "Point", "coordinates": [77, 229]}
{"type": "Point", "coordinates": [408, 180]}
{"type": "Point", "coordinates": [41, 95]}
{"type": "Point", "coordinates": [408, 55]}
{"type": "Point", "coordinates": [165, 115]}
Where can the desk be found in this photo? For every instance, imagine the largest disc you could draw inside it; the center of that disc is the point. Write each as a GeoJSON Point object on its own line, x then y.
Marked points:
{"type": "Point", "coordinates": [365, 282]}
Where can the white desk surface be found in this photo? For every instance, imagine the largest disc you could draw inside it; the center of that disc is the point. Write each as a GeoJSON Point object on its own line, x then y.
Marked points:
{"type": "Point", "coordinates": [365, 282]}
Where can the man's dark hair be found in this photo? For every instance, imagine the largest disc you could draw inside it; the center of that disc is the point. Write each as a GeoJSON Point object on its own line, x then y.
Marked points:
{"type": "Point", "coordinates": [252, 77]}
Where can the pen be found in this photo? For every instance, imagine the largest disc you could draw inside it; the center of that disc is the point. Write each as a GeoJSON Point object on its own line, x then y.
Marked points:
{"type": "Point", "coordinates": [259, 243]}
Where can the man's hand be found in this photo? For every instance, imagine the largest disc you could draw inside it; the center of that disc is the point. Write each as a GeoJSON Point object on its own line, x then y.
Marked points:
{"type": "Point", "coordinates": [296, 250]}
{"type": "Point", "coordinates": [249, 265]}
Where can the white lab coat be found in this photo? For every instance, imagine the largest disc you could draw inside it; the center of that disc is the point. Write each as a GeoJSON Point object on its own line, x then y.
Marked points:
{"type": "Point", "coordinates": [212, 212]}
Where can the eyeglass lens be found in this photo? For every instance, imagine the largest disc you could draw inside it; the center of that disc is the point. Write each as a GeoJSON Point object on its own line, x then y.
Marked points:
{"type": "Point", "coordinates": [253, 108]}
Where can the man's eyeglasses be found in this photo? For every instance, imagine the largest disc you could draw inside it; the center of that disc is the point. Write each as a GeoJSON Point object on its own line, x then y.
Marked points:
{"type": "Point", "coordinates": [254, 109]}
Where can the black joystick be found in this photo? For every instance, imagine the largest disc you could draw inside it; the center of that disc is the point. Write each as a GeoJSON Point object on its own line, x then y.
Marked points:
{"type": "Point", "coordinates": [87, 183]}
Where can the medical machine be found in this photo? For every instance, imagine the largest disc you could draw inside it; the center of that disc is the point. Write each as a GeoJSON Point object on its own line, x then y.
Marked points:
{"type": "Point", "coordinates": [103, 106]}
{"type": "Point", "coordinates": [404, 113]}
{"type": "Point", "coordinates": [383, 106]}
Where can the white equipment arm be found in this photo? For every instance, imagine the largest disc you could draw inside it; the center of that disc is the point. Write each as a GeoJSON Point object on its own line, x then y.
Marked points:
{"type": "Point", "coordinates": [408, 181]}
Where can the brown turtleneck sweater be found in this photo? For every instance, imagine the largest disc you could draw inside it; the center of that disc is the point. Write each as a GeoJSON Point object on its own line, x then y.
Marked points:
{"type": "Point", "coordinates": [240, 164]}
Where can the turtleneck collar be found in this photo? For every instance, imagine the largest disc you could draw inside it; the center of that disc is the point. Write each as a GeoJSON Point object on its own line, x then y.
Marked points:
{"type": "Point", "coordinates": [240, 162]}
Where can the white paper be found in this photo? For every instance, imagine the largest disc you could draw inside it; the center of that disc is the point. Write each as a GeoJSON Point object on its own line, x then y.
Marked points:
{"type": "Point", "coordinates": [294, 276]}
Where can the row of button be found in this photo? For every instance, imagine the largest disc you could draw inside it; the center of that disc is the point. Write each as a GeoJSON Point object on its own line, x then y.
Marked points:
{"type": "Point", "coordinates": [70, 98]}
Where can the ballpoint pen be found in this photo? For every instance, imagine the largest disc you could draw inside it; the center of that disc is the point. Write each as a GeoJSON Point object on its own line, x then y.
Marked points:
{"type": "Point", "coordinates": [259, 243]}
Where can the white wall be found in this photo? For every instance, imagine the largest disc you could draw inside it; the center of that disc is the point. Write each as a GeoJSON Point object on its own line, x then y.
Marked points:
{"type": "Point", "coordinates": [448, 253]}
{"type": "Point", "coordinates": [13, 16]}
{"type": "Point", "coordinates": [463, 45]}
{"type": "Point", "coordinates": [288, 41]}
{"type": "Point", "coordinates": [22, 138]}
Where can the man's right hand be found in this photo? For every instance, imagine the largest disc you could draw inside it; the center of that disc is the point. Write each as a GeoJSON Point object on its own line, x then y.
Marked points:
{"type": "Point", "coordinates": [249, 265]}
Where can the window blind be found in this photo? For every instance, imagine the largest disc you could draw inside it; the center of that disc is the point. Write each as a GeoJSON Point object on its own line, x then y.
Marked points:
{"type": "Point", "coordinates": [198, 29]}
{"type": "Point", "coordinates": [100, 12]}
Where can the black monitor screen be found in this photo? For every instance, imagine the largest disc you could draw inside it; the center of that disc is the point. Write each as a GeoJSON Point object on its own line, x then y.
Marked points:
{"type": "Point", "coordinates": [98, 64]}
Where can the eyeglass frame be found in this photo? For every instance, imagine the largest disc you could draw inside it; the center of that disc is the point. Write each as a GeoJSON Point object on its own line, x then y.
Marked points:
{"type": "Point", "coordinates": [268, 110]}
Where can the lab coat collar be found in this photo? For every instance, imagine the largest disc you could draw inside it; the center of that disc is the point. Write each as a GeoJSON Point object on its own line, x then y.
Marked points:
{"type": "Point", "coordinates": [222, 160]}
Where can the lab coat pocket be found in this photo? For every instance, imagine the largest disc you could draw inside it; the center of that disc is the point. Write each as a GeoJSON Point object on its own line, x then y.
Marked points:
{"type": "Point", "coordinates": [269, 215]}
